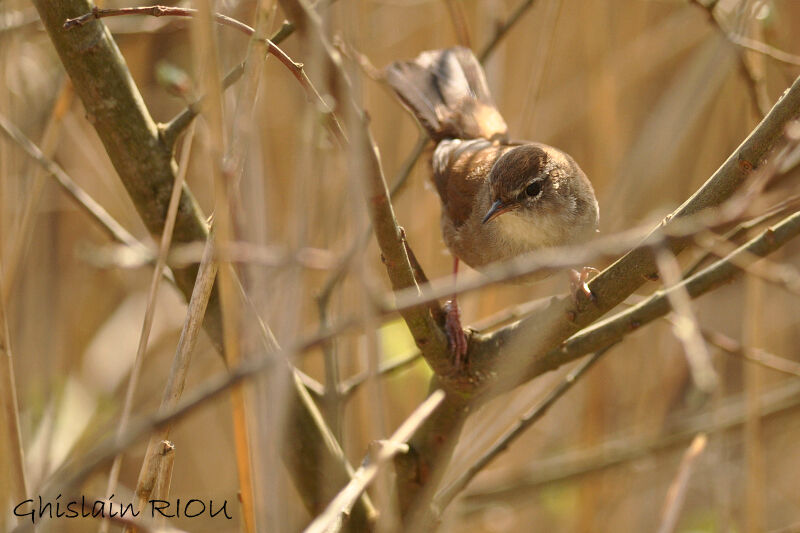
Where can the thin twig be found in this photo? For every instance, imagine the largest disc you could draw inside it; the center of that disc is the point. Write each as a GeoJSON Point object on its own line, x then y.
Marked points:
{"type": "Point", "coordinates": [9, 411]}
{"type": "Point", "coordinates": [397, 186]}
{"type": "Point", "coordinates": [765, 49]}
{"type": "Point", "coordinates": [617, 326]}
{"type": "Point", "coordinates": [501, 31]}
{"type": "Point", "coordinates": [686, 327]}
{"type": "Point", "coordinates": [627, 448]}
{"type": "Point", "coordinates": [22, 232]}
{"type": "Point", "coordinates": [181, 255]}
{"type": "Point", "coordinates": [164, 11]}
{"type": "Point", "coordinates": [171, 130]}
{"type": "Point", "coordinates": [149, 314]}
{"type": "Point", "coordinates": [741, 229]}
{"type": "Point", "coordinates": [754, 355]}
{"type": "Point", "coordinates": [390, 241]}
{"type": "Point", "coordinates": [150, 472]}
{"type": "Point", "coordinates": [733, 347]}
{"type": "Point", "coordinates": [343, 501]}
{"type": "Point", "coordinates": [107, 223]}
{"type": "Point", "coordinates": [676, 494]}
{"type": "Point", "coordinates": [459, 20]}
{"type": "Point", "coordinates": [753, 83]}
{"type": "Point", "coordinates": [223, 177]}
{"type": "Point", "coordinates": [445, 496]}
{"type": "Point", "coordinates": [350, 386]}
{"type": "Point", "coordinates": [782, 275]}
{"type": "Point", "coordinates": [153, 11]}
{"type": "Point", "coordinates": [333, 396]}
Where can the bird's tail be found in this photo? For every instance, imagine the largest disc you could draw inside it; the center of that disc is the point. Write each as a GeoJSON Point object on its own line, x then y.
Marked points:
{"type": "Point", "coordinates": [446, 91]}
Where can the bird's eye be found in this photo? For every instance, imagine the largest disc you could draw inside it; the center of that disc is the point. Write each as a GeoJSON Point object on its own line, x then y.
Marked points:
{"type": "Point", "coordinates": [533, 189]}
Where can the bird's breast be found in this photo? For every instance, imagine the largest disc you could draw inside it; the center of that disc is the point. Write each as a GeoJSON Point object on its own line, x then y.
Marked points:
{"type": "Point", "coordinates": [501, 239]}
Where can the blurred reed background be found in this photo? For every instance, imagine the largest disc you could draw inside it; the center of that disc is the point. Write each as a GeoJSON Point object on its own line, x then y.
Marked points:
{"type": "Point", "coordinates": [650, 97]}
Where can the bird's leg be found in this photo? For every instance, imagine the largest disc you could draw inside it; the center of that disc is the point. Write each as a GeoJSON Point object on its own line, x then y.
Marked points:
{"type": "Point", "coordinates": [455, 332]}
{"type": "Point", "coordinates": [578, 283]}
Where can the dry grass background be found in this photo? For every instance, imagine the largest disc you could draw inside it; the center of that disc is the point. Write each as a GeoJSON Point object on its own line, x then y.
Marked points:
{"type": "Point", "coordinates": [648, 96]}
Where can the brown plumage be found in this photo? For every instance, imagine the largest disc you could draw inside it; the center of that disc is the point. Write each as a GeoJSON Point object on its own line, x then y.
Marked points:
{"type": "Point", "coordinates": [476, 166]}
{"type": "Point", "coordinates": [500, 198]}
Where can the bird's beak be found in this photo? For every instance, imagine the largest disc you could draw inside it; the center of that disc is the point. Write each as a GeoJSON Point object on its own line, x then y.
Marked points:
{"type": "Point", "coordinates": [497, 209]}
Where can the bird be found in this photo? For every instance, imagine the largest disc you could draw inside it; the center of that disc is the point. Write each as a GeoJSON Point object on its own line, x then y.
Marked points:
{"type": "Point", "coordinates": [500, 198]}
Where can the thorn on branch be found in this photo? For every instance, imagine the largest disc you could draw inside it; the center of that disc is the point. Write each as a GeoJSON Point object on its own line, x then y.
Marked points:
{"type": "Point", "coordinates": [83, 19]}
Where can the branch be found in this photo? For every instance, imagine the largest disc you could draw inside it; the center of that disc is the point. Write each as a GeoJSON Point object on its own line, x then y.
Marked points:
{"type": "Point", "coordinates": [150, 473]}
{"type": "Point", "coordinates": [628, 447]}
{"type": "Point", "coordinates": [126, 129]}
{"type": "Point", "coordinates": [76, 471]}
{"type": "Point", "coordinates": [146, 168]}
{"type": "Point", "coordinates": [765, 49]}
{"type": "Point", "coordinates": [685, 326]}
{"type": "Point", "coordinates": [524, 350]}
{"type": "Point", "coordinates": [676, 494]}
{"type": "Point", "coordinates": [173, 128]}
{"type": "Point", "coordinates": [429, 337]}
{"type": "Point", "coordinates": [86, 203]}
{"type": "Point", "coordinates": [616, 327]}
{"type": "Point", "coordinates": [754, 85]}
{"type": "Point", "coordinates": [149, 314]}
{"type": "Point", "coordinates": [504, 28]}
{"type": "Point", "coordinates": [13, 460]}
{"type": "Point", "coordinates": [753, 355]}
{"type": "Point", "coordinates": [526, 343]}
{"type": "Point", "coordinates": [443, 498]}
{"type": "Point", "coordinates": [459, 20]}
{"type": "Point", "coordinates": [399, 183]}
{"type": "Point", "coordinates": [341, 504]}
{"type": "Point", "coordinates": [428, 443]}
{"type": "Point", "coordinates": [349, 386]}
{"type": "Point", "coordinates": [740, 230]}
{"type": "Point", "coordinates": [163, 11]}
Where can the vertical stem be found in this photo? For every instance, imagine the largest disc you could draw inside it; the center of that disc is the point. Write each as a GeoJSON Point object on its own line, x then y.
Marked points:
{"type": "Point", "coordinates": [753, 377]}
{"type": "Point", "coordinates": [12, 458]}
{"type": "Point", "coordinates": [207, 58]}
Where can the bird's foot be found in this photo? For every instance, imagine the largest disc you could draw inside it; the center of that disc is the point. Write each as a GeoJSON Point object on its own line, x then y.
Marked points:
{"type": "Point", "coordinates": [579, 283]}
{"type": "Point", "coordinates": [455, 334]}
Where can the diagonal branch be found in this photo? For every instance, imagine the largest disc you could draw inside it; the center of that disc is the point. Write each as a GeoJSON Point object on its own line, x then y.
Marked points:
{"type": "Point", "coordinates": [621, 449]}
{"type": "Point", "coordinates": [613, 330]}
{"type": "Point", "coordinates": [527, 342]}
{"type": "Point", "coordinates": [616, 327]}
{"type": "Point", "coordinates": [340, 506]}
{"type": "Point", "coordinates": [83, 200]}
{"type": "Point", "coordinates": [427, 334]}
{"type": "Point", "coordinates": [447, 495]}
{"type": "Point", "coordinates": [501, 31]}
{"type": "Point", "coordinates": [163, 11]}
{"type": "Point", "coordinates": [526, 349]}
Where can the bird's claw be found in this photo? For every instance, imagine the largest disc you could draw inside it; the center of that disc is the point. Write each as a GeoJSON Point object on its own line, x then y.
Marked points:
{"type": "Point", "coordinates": [455, 334]}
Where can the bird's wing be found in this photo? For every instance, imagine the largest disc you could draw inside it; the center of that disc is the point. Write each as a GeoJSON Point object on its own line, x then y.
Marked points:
{"type": "Point", "coordinates": [460, 169]}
